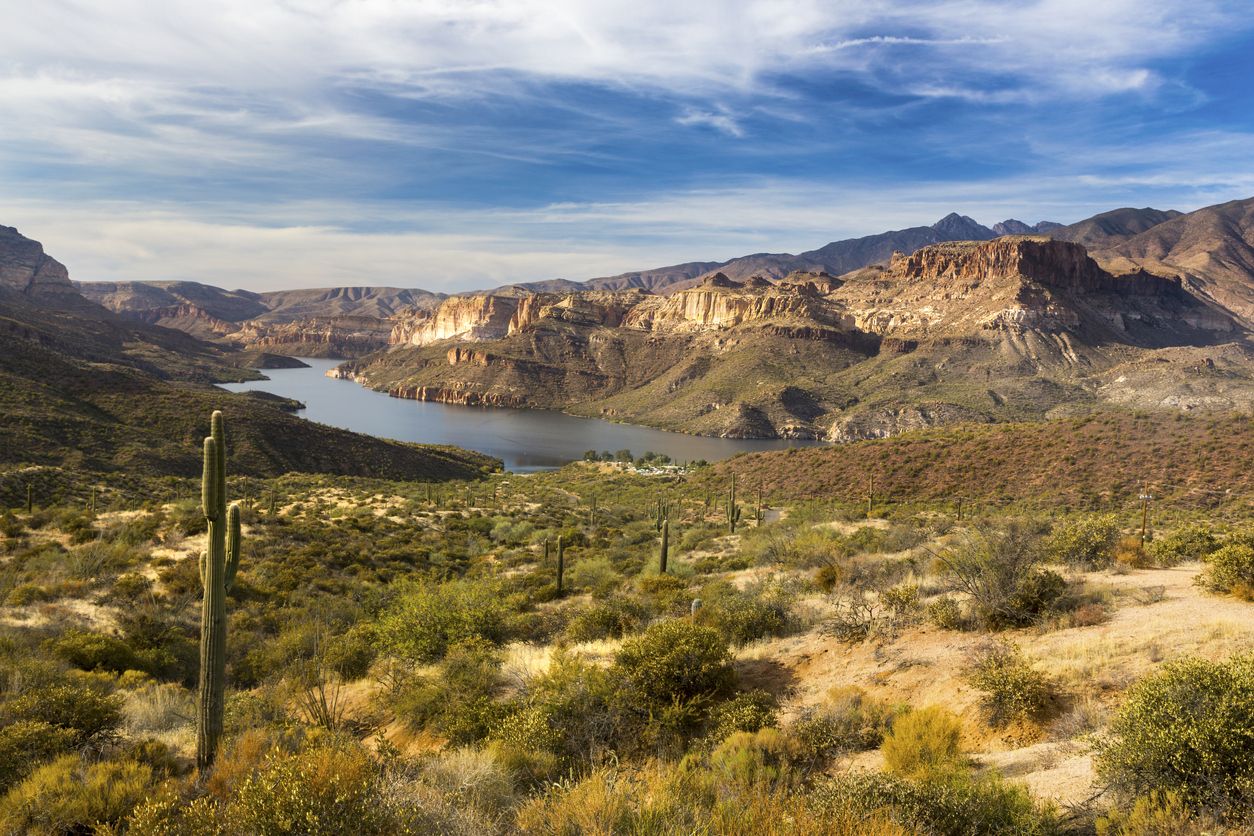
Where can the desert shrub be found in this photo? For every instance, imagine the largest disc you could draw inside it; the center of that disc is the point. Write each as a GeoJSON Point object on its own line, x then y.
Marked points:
{"type": "Point", "coordinates": [760, 758]}
{"type": "Point", "coordinates": [426, 619]}
{"type": "Point", "coordinates": [130, 586]}
{"type": "Point", "coordinates": [1129, 552]}
{"type": "Point", "coordinates": [849, 720]}
{"type": "Point", "coordinates": [1187, 729]}
{"type": "Point", "coordinates": [595, 574]}
{"type": "Point", "coordinates": [471, 778]}
{"type": "Point", "coordinates": [855, 617]}
{"type": "Point", "coordinates": [459, 700]}
{"type": "Point", "coordinates": [611, 618]}
{"type": "Point", "coordinates": [1089, 615]}
{"type": "Point", "coordinates": [70, 795]}
{"type": "Point", "coordinates": [692, 798]}
{"type": "Point", "coordinates": [1040, 593]}
{"type": "Point", "coordinates": [902, 601]}
{"type": "Point", "coordinates": [742, 617]}
{"type": "Point", "coordinates": [25, 594]}
{"type": "Point", "coordinates": [674, 660]}
{"type": "Point", "coordinates": [25, 745]}
{"type": "Point", "coordinates": [997, 568]}
{"type": "Point", "coordinates": [350, 654]}
{"type": "Point", "coordinates": [953, 804]}
{"type": "Point", "coordinates": [946, 614]}
{"type": "Point", "coordinates": [1161, 813]}
{"type": "Point", "coordinates": [89, 713]}
{"type": "Point", "coordinates": [91, 651]}
{"type": "Point", "coordinates": [1013, 689]}
{"type": "Point", "coordinates": [748, 711]}
{"type": "Point", "coordinates": [565, 713]}
{"type": "Point", "coordinates": [1086, 542]}
{"type": "Point", "coordinates": [1188, 542]}
{"type": "Point", "coordinates": [924, 742]}
{"type": "Point", "coordinates": [329, 789]}
{"type": "Point", "coordinates": [1230, 569]}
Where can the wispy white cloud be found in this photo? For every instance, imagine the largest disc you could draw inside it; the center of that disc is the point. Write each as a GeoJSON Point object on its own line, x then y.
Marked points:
{"type": "Point", "coordinates": [720, 120]}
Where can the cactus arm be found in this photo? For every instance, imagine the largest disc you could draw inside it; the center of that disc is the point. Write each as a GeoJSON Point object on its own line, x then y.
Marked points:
{"type": "Point", "coordinates": [232, 544]}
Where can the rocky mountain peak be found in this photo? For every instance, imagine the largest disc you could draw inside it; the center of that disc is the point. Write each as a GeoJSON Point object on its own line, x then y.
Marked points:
{"type": "Point", "coordinates": [955, 227]}
{"type": "Point", "coordinates": [26, 268]}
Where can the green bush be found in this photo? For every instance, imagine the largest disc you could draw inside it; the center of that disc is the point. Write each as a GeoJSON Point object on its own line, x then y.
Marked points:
{"type": "Point", "coordinates": [953, 804]}
{"type": "Point", "coordinates": [998, 569]}
{"type": "Point", "coordinates": [612, 618]}
{"type": "Point", "coordinates": [848, 721]}
{"type": "Point", "coordinates": [924, 742]}
{"type": "Point", "coordinates": [92, 651]}
{"type": "Point", "coordinates": [322, 790]}
{"type": "Point", "coordinates": [1084, 542]}
{"type": "Point", "coordinates": [748, 711]}
{"type": "Point", "coordinates": [25, 745]}
{"type": "Point", "coordinates": [70, 795]}
{"type": "Point", "coordinates": [351, 653]}
{"type": "Point", "coordinates": [458, 702]}
{"type": "Point", "coordinates": [1230, 569]}
{"type": "Point", "coordinates": [742, 617]}
{"type": "Point", "coordinates": [91, 715]}
{"type": "Point", "coordinates": [425, 620]}
{"type": "Point", "coordinates": [1187, 729]}
{"type": "Point", "coordinates": [674, 661]}
{"type": "Point", "coordinates": [1188, 542]}
{"type": "Point", "coordinates": [1013, 689]}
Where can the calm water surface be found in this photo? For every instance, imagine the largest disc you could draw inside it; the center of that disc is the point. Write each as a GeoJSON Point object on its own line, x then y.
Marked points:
{"type": "Point", "coordinates": [524, 439]}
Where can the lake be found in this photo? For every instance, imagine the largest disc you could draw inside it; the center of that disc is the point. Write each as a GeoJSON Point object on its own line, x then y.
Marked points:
{"type": "Point", "coordinates": [525, 439]}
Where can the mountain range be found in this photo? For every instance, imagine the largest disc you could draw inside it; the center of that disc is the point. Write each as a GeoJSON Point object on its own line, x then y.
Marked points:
{"type": "Point", "coordinates": [858, 338]}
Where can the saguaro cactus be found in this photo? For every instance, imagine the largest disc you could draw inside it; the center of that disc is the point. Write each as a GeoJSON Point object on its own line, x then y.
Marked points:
{"type": "Point", "coordinates": [218, 564]}
{"type": "Point", "coordinates": [561, 561]}
{"type": "Point", "coordinates": [666, 542]}
{"type": "Point", "coordinates": [30, 498]}
{"type": "Point", "coordinates": [733, 512]}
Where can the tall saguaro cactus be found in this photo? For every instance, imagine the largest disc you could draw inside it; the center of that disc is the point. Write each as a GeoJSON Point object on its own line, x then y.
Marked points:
{"type": "Point", "coordinates": [218, 564]}
{"type": "Point", "coordinates": [561, 561]}
{"type": "Point", "coordinates": [733, 511]}
{"type": "Point", "coordinates": [666, 542]}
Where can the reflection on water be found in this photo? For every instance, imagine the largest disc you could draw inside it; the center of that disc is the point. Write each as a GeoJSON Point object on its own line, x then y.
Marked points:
{"type": "Point", "coordinates": [524, 439]}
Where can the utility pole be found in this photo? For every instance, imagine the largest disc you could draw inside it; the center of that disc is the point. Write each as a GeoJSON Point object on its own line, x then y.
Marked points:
{"type": "Point", "coordinates": [1145, 501]}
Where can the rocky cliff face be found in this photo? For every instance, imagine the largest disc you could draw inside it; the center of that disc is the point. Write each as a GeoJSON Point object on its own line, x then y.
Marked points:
{"type": "Point", "coordinates": [479, 316]}
{"type": "Point", "coordinates": [27, 269]}
{"type": "Point", "coordinates": [719, 303]}
{"type": "Point", "coordinates": [335, 337]}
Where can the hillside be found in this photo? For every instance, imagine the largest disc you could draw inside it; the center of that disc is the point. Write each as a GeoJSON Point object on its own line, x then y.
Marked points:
{"type": "Point", "coordinates": [85, 388]}
{"type": "Point", "coordinates": [324, 322]}
{"type": "Point", "coordinates": [1184, 459]}
{"type": "Point", "coordinates": [1213, 248]}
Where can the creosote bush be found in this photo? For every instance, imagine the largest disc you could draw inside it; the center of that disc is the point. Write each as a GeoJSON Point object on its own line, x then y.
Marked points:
{"type": "Point", "coordinates": [1230, 569]}
{"type": "Point", "coordinates": [923, 743]}
{"type": "Point", "coordinates": [1013, 689]}
{"type": "Point", "coordinates": [426, 619]}
{"type": "Point", "coordinates": [1086, 542]}
{"type": "Point", "coordinates": [1188, 729]}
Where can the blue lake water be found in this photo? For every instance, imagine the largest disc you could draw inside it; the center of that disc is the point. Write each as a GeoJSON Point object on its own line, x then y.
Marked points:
{"type": "Point", "coordinates": [525, 439]}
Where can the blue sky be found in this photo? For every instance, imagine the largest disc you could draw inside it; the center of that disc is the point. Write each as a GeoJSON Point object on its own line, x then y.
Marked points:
{"type": "Point", "coordinates": [466, 143]}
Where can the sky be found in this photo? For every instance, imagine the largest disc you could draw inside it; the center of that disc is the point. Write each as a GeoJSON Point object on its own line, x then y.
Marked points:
{"type": "Point", "coordinates": [454, 144]}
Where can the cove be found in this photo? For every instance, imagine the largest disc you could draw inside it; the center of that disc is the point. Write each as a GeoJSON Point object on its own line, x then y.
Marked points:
{"type": "Point", "coordinates": [524, 439]}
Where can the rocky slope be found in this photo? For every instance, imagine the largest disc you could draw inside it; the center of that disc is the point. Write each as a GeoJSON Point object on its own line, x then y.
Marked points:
{"type": "Point", "coordinates": [1212, 249]}
{"type": "Point", "coordinates": [334, 322]}
{"type": "Point", "coordinates": [85, 388]}
{"type": "Point", "coordinates": [962, 331]}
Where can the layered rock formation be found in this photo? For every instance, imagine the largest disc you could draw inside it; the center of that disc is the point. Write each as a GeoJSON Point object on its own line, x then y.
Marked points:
{"type": "Point", "coordinates": [957, 331]}
{"type": "Point", "coordinates": [27, 269]}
